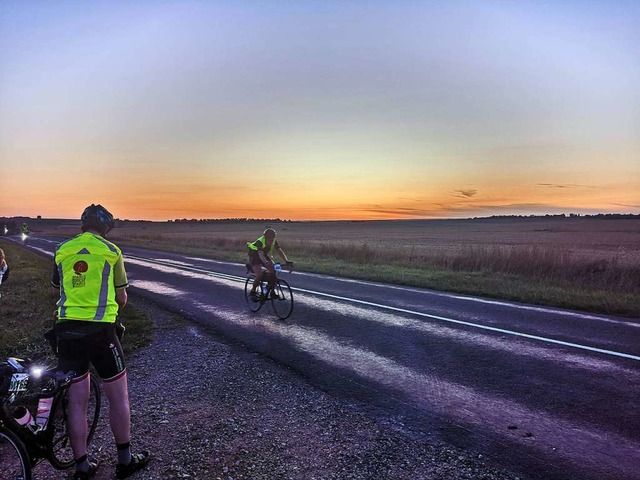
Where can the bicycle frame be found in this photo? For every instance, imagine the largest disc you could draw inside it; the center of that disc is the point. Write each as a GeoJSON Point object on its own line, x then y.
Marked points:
{"type": "Point", "coordinates": [37, 443]}
{"type": "Point", "coordinates": [31, 443]}
{"type": "Point", "coordinates": [282, 302]}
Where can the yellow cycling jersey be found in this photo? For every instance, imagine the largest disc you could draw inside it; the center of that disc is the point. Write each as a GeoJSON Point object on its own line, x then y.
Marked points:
{"type": "Point", "coordinates": [260, 244]}
{"type": "Point", "coordinates": [88, 270]}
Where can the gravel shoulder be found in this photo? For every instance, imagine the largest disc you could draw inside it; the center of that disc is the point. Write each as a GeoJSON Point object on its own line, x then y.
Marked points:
{"type": "Point", "coordinates": [208, 409]}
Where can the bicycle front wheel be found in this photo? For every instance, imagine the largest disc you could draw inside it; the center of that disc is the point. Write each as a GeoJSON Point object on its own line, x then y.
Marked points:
{"type": "Point", "coordinates": [283, 303]}
{"type": "Point", "coordinates": [252, 302]}
{"type": "Point", "coordinates": [61, 454]}
{"type": "Point", "coordinates": [14, 461]}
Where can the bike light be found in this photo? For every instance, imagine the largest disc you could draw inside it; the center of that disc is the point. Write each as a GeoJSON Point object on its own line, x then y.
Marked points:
{"type": "Point", "coordinates": [23, 236]}
{"type": "Point", "coordinates": [36, 372]}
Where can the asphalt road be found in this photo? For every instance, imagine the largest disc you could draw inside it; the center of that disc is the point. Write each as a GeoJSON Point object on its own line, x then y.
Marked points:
{"type": "Point", "coordinates": [547, 393]}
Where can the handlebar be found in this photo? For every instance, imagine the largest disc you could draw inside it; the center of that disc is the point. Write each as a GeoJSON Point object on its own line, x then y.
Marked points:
{"type": "Point", "coordinates": [278, 266]}
{"type": "Point", "coordinates": [22, 366]}
{"type": "Point", "coordinates": [17, 364]}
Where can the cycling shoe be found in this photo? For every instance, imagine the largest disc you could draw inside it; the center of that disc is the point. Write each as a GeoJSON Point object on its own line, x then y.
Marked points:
{"type": "Point", "coordinates": [93, 468]}
{"type": "Point", "coordinates": [138, 461]}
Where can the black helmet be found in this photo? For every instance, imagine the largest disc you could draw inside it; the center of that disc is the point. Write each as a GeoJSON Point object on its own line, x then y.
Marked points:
{"type": "Point", "coordinates": [270, 233]}
{"type": "Point", "coordinates": [98, 218]}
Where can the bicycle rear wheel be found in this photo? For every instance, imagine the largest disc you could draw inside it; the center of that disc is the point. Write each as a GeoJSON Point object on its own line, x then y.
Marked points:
{"type": "Point", "coordinates": [14, 461]}
{"type": "Point", "coordinates": [283, 303]}
{"type": "Point", "coordinates": [61, 454]}
{"type": "Point", "coordinates": [253, 305]}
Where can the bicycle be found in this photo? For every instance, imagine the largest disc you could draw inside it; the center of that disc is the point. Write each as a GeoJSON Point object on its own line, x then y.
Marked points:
{"type": "Point", "coordinates": [282, 302]}
{"type": "Point", "coordinates": [25, 442]}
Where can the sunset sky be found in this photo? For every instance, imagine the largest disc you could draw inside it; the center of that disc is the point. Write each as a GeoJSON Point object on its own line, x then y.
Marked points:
{"type": "Point", "coordinates": [319, 109]}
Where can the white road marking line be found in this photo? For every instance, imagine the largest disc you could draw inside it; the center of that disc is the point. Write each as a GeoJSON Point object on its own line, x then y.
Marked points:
{"type": "Point", "coordinates": [570, 358]}
{"type": "Point", "coordinates": [534, 308]}
{"type": "Point", "coordinates": [475, 325]}
{"type": "Point", "coordinates": [46, 252]}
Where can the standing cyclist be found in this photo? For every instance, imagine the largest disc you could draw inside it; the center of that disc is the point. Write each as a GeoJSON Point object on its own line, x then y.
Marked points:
{"type": "Point", "coordinates": [261, 255]}
{"type": "Point", "coordinates": [90, 275]}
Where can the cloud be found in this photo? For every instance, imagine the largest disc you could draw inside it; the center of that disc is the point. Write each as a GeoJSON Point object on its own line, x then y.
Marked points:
{"type": "Point", "coordinates": [469, 210]}
{"type": "Point", "coordinates": [405, 212]}
{"type": "Point", "coordinates": [630, 205]}
{"type": "Point", "coordinates": [466, 193]}
{"type": "Point", "coordinates": [565, 185]}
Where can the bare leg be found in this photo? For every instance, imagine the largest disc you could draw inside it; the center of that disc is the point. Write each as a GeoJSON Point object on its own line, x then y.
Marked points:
{"type": "Point", "coordinates": [257, 270]}
{"type": "Point", "coordinates": [272, 278]}
{"type": "Point", "coordinates": [119, 409]}
{"type": "Point", "coordinates": [77, 416]}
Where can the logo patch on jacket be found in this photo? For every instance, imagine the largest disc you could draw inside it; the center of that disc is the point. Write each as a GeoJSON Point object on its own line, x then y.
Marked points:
{"type": "Point", "coordinates": [79, 268]}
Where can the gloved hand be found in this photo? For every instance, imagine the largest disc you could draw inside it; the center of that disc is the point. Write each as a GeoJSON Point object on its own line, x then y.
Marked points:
{"type": "Point", "coordinates": [120, 328]}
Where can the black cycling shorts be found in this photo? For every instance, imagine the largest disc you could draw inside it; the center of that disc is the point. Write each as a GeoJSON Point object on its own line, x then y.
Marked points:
{"type": "Point", "coordinates": [102, 349]}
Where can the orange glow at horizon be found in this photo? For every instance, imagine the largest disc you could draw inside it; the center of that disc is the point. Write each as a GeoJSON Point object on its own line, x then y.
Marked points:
{"type": "Point", "coordinates": [150, 203]}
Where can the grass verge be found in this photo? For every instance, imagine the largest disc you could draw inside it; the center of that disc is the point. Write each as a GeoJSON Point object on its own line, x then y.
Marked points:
{"type": "Point", "coordinates": [28, 302]}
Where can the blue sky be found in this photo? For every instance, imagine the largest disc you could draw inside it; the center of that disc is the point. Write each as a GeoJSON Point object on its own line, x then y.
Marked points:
{"type": "Point", "coordinates": [337, 109]}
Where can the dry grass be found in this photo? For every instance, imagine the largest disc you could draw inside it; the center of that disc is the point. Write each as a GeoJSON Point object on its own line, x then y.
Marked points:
{"type": "Point", "coordinates": [585, 263]}
{"type": "Point", "coordinates": [26, 305]}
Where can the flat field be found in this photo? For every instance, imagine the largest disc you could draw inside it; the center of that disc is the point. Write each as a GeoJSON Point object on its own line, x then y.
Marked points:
{"type": "Point", "coordinates": [575, 262]}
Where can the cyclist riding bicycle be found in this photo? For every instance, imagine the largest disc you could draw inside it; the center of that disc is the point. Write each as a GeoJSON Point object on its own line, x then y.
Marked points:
{"type": "Point", "coordinates": [90, 276]}
{"type": "Point", "coordinates": [261, 258]}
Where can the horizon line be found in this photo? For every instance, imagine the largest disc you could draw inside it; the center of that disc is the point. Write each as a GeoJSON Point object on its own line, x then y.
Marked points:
{"type": "Point", "coordinates": [571, 215]}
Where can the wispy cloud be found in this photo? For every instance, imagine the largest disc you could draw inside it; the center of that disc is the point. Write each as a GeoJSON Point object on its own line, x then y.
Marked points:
{"type": "Point", "coordinates": [442, 210]}
{"type": "Point", "coordinates": [565, 185]}
{"type": "Point", "coordinates": [465, 193]}
{"type": "Point", "coordinates": [406, 212]}
{"type": "Point", "coordinates": [628, 205]}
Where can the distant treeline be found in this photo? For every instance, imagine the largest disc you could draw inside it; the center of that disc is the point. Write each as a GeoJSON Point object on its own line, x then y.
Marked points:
{"type": "Point", "coordinates": [605, 216]}
{"type": "Point", "coordinates": [13, 222]}
{"type": "Point", "coordinates": [602, 216]}
{"type": "Point", "coordinates": [220, 220]}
